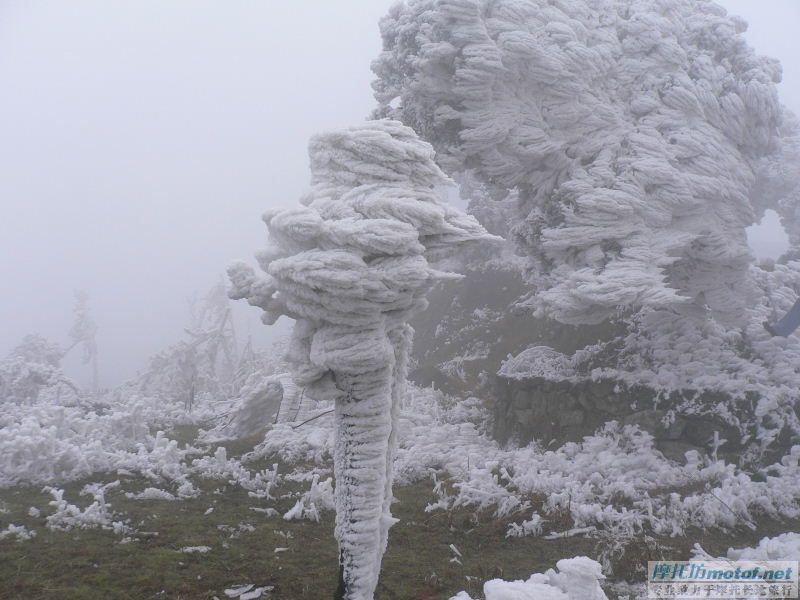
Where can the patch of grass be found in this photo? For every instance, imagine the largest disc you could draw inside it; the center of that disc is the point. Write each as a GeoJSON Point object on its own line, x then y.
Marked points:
{"type": "Point", "coordinates": [94, 565]}
{"type": "Point", "coordinates": [417, 564]}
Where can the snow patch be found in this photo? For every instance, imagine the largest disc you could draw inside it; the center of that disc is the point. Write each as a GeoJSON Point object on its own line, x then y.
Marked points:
{"type": "Point", "coordinates": [576, 579]}
{"type": "Point", "coordinates": [17, 531]}
{"type": "Point", "coordinates": [151, 494]}
{"type": "Point", "coordinates": [195, 549]}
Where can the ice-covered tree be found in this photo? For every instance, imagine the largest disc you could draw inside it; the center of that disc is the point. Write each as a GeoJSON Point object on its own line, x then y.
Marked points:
{"type": "Point", "coordinates": [32, 373]}
{"type": "Point", "coordinates": [629, 144]}
{"type": "Point", "coordinates": [84, 333]}
{"type": "Point", "coordinates": [351, 266]}
{"type": "Point", "coordinates": [174, 374]}
{"type": "Point", "coordinates": [214, 335]}
{"type": "Point", "coordinates": [630, 132]}
{"type": "Point", "coordinates": [204, 364]}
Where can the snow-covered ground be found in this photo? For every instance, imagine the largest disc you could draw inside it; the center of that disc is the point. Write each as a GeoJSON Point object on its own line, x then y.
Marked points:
{"type": "Point", "coordinates": [576, 579]}
{"type": "Point", "coordinates": [614, 482]}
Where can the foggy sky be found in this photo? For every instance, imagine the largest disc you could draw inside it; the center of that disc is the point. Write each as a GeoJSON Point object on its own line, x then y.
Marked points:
{"type": "Point", "coordinates": [141, 141]}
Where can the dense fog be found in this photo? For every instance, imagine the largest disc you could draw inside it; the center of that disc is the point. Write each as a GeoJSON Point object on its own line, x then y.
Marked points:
{"type": "Point", "coordinates": [140, 142]}
{"type": "Point", "coordinates": [478, 299]}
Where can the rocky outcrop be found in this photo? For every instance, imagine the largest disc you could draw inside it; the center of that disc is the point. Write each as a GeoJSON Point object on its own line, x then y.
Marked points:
{"type": "Point", "coordinates": [553, 407]}
{"type": "Point", "coordinates": [473, 341]}
{"type": "Point", "coordinates": [472, 326]}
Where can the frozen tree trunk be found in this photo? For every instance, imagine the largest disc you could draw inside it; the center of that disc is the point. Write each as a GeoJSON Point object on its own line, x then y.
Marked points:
{"type": "Point", "coordinates": [365, 447]}
{"type": "Point", "coordinates": [363, 430]}
{"type": "Point", "coordinates": [352, 268]}
{"type": "Point", "coordinates": [401, 338]}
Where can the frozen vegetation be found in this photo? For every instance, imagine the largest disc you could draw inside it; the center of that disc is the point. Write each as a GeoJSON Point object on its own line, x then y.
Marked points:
{"type": "Point", "coordinates": [631, 148]}
{"type": "Point", "coordinates": [615, 480]}
{"type": "Point", "coordinates": [613, 487]}
{"type": "Point", "coordinates": [624, 147]}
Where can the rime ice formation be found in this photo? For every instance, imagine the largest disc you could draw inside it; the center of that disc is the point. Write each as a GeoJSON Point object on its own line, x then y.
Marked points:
{"type": "Point", "coordinates": [778, 180]}
{"type": "Point", "coordinates": [630, 131]}
{"type": "Point", "coordinates": [577, 579]}
{"type": "Point", "coordinates": [31, 374]}
{"type": "Point", "coordinates": [351, 267]}
{"type": "Point", "coordinates": [632, 142]}
{"type": "Point", "coordinates": [785, 546]}
{"type": "Point", "coordinates": [615, 480]}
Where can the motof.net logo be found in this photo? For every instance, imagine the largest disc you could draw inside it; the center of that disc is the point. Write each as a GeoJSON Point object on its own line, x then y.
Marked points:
{"type": "Point", "coordinates": [743, 580]}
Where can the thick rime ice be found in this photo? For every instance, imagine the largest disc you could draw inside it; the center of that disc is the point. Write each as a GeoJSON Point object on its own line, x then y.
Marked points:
{"type": "Point", "coordinates": [351, 267]}
{"type": "Point", "coordinates": [632, 142]}
{"type": "Point", "coordinates": [48, 444]}
{"type": "Point", "coordinates": [778, 180]}
{"type": "Point", "coordinates": [576, 579]}
{"type": "Point", "coordinates": [263, 401]}
{"type": "Point", "coordinates": [248, 591]}
{"type": "Point", "coordinates": [257, 408]}
{"type": "Point", "coordinates": [782, 547]}
{"type": "Point", "coordinates": [615, 481]}
{"type": "Point", "coordinates": [630, 132]}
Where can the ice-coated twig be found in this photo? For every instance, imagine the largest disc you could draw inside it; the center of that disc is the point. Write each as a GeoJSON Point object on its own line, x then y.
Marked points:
{"type": "Point", "coordinates": [569, 533]}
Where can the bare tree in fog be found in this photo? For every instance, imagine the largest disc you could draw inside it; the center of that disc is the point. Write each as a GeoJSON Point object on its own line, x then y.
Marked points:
{"type": "Point", "coordinates": [84, 333]}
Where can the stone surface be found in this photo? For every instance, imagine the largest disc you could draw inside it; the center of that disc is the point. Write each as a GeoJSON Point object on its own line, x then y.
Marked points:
{"type": "Point", "coordinates": [553, 412]}
{"type": "Point", "coordinates": [471, 326]}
